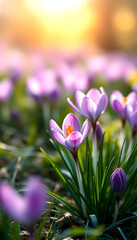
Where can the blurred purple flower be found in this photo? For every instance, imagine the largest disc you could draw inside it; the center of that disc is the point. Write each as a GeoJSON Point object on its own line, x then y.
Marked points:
{"type": "Point", "coordinates": [73, 77]}
{"type": "Point", "coordinates": [71, 135]}
{"type": "Point", "coordinates": [91, 105]}
{"type": "Point", "coordinates": [116, 67]}
{"type": "Point", "coordinates": [118, 180]}
{"type": "Point", "coordinates": [24, 208]}
{"type": "Point", "coordinates": [96, 65]}
{"type": "Point", "coordinates": [6, 89]}
{"type": "Point", "coordinates": [119, 102]}
{"type": "Point", "coordinates": [44, 85]}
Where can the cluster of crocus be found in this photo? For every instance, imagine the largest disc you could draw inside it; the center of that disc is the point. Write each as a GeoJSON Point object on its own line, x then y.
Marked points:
{"type": "Point", "coordinates": [26, 208]}
{"type": "Point", "coordinates": [91, 106]}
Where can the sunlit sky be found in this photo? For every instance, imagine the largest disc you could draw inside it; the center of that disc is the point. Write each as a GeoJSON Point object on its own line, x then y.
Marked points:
{"type": "Point", "coordinates": [54, 6]}
{"type": "Point", "coordinates": [70, 23]}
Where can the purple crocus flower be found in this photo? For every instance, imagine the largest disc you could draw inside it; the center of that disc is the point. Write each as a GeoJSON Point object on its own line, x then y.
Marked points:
{"type": "Point", "coordinates": [119, 102]}
{"type": "Point", "coordinates": [6, 89]}
{"type": "Point", "coordinates": [24, 208]}
{"type": "Point", "coordinates": [69, 76]}
{"type": "Point", "coordinates": [43, 85]}
{"type": "Point", "coordinates": [91, 105]}
{"type": "Point", "coordinates": [71, 135]}
{"type": "Point", "coordinates": [131, 114]}
{"type": "Point", "coordinates": [118, 180]}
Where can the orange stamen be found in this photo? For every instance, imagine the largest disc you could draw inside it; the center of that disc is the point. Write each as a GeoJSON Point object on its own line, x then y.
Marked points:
{"type": "Point", "coordinates": [69, 130]}
{"type": "Point", "coordinates": [124, 101]}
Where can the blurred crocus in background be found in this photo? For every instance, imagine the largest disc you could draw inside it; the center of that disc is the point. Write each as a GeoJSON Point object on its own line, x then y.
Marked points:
{"type": "Point", "coordinates": [73, 77]}
{"type": "Point", "coordinates": [116, 67]}
{"type": "Point", "coordinates": [43, 85]}
{"type": "Point", "coordinates": [6, 89]}
{"type": "Point", "coordinates": [25, 208]}
{"type": "Point", "coordinates": [44, 88]}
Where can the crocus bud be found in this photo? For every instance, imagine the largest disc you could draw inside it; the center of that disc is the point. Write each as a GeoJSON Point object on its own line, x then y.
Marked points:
{"type": "Point", "coordinates": [118, 180]}
{"type": "Point", "coordinates": [99, 133]}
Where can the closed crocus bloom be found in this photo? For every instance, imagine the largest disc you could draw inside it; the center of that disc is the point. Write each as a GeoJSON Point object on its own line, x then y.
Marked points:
{"type": "Point", "coordinates": [6, 89]}
{"type": "Point", "coordinates": [118, 180]}
{"type": "Point", "coordinates": [99, 133]}
{"type": "Point", "coordinates": [71, 135]}
{"type": "Point", "coordinates": [119, 102]}
{"type": "Point", "coordinates": [24, 208]}
{"type": "Point", "coordinates": [91, 105]}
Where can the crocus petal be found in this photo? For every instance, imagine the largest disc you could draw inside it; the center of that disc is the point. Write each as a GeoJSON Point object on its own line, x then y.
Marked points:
{"type": "Point", "coordinates": [133, 119]}
{"type": "Point", "coordinates": [117, 95]}
{"type": "Point", "coordinates": [58, 137]}
{"type": "Point", "coordinates": [54, 125]}
{"type": "Point", "coordinates": [117, 184]}
{"type": "Point", "coordinates": [117, 107]}
{"type": "Point", "coordinates": [73, 106]}
{"type": "Point", "coordinates": [78, 97]}
{"type": "Point", "coordinates": [102, 105]}
{"type": "Point", "coordinates": [85, 129]}
{"type": "Point", "coordinates": [129, 112]}
{"type": "Point", "coordinates": [88, 108]}
{"type": "Point", "coordinates": [94, 94]}
{"type": "Point", "coordinates": [13, 203]}
{"type": "Point", "coordinates": [71, 120]}
{"type": "Point", "coordinates": [74, 140]}
{"type": "Point", "coordinates": [35, 198]}
{"type": "Point", "coordinates": [132, 97]}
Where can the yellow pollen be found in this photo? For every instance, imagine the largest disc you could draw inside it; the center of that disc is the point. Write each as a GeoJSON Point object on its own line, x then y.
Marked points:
{"type": "Point", "coordinates": [124, 101]}
{"type": "Point", "coordinates": [69, 130]}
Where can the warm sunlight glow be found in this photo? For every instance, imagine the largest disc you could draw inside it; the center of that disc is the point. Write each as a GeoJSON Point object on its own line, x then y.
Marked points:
{"type": "Point", "coordinates": [124, 20]}
{"type": "Point", "coordinates": [63, 22]}
{"type": "Point", "coordinates": [55, 6]}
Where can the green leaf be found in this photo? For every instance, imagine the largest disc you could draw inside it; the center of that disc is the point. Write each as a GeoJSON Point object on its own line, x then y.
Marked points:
{"type": "Point", "coordinates": [15, 231]}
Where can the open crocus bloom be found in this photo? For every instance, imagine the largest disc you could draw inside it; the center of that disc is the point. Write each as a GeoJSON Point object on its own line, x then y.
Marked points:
{"type": "Point", "coordinates": [26, 208]}
{"type": "Point", "coordinates": [119, 102]}
{"type": "Point", "coordinates": [91, 105]}
{"type": "Point", "coordinates": [71, 135]}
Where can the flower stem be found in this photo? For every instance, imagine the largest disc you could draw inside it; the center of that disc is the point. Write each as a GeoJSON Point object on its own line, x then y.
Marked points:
{"type": "Point", "coordinates": [123, 134]}
{"type": "Point", "coordinates": [80, 185]}
{"type": "Point", "coordinates": [95, 150]}
{"type": "Point", "coordinates": [116, 208]}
